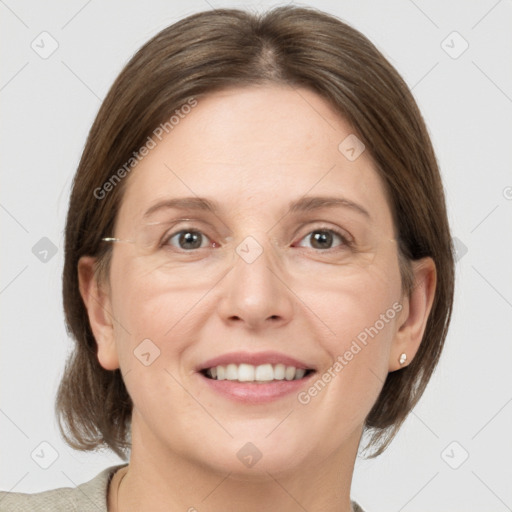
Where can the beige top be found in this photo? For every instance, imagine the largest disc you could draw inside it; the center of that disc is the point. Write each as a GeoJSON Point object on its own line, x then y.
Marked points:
{"type": "Point", "coordinates": [91, 496]}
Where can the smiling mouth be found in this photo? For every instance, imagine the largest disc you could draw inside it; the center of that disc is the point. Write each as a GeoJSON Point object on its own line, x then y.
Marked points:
{"type": "Point", "coordinates": [263, 373]}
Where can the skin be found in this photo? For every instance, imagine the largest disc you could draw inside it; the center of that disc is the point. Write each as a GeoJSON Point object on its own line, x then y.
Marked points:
{"type": "Point", "coordinates": [253, 149]}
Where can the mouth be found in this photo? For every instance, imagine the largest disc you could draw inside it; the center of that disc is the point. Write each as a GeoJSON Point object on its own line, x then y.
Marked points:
{"type": "Point", "coordinates": [255, 377]}
{"type": "Point", "coordinates": [260, 374]}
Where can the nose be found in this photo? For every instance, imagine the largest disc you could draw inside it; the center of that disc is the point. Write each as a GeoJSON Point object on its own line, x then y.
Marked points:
{"type": "Point", "coordinates": [255, 292]}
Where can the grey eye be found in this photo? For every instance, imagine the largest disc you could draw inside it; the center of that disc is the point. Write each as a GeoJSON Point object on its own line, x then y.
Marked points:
{"type": "Point", "coordinates": [323, 238]}
{"type": "Point", "coordinates": [187, 239]}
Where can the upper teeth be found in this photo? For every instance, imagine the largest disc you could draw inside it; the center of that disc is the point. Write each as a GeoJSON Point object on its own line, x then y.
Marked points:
{"type": "Point", "coordinates": [249, 373]}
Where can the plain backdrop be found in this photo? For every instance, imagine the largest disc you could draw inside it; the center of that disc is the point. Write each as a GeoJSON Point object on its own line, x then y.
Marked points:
{"type": "Point", "coordinates": [454, 452]}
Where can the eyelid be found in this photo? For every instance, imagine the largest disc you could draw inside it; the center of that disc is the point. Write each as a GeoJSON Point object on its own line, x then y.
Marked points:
{"type": "Point", "coordinates": [190, 223]}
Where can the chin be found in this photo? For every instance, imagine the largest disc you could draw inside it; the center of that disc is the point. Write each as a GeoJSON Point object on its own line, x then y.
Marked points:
{"type": "Point", "coordinates": [254, 457]}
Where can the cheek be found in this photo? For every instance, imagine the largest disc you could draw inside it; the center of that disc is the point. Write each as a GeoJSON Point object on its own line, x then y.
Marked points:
{"type": "Point", "coordinates": [362, 314]}
{"type": "Point", "coordinates": [151, 342]}
{"type": "Point", "coordinates": [361, 306]}
{"type": "Point", "coordinates": [351, 314]}
{"type": "Point", "coordinates": [145, 302]}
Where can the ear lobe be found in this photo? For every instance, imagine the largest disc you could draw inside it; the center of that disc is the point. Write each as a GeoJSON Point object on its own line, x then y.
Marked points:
{"type": "Point", "coordinates": [98, 305]}
{"type": "Point", "coordinates": [415, 313]}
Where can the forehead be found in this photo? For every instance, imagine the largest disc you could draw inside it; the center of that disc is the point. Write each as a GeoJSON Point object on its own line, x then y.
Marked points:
{"type": "Point", "coordinates": [253, 150]}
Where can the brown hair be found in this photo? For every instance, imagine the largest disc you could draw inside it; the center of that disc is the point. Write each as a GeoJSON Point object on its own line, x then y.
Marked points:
{"type": "Point", "coordinates": [205, 52]}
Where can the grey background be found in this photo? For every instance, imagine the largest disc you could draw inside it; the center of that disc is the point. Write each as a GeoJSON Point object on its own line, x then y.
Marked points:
{"type": "Point", "coordinates": [48, 105]}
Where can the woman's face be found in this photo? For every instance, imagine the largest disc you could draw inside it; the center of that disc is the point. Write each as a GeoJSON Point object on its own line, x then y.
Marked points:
{"type": "Point", "coordinates": [254, 283]}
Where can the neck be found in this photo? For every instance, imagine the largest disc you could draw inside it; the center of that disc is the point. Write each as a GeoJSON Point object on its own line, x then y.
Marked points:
{"type": "Point", "coordinates": [160, 480]}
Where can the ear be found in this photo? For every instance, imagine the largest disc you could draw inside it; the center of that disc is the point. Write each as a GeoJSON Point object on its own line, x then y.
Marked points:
{"type": "Point", "coordinates": [415, 313]}
{"type": "Point", "coordinates": [98, 305]}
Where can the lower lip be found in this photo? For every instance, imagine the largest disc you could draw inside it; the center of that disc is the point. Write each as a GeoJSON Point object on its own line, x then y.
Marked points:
{"type": "Point", "coordinates": [254, 392]}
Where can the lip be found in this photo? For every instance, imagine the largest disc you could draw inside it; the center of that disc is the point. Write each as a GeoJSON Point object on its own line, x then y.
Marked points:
{"type": "Point", "coordinates": [255, 359]}
{"type": "Point", "coordinates": [254, 392]}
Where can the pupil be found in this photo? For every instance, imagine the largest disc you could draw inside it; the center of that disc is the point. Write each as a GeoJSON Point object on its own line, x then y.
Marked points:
{"type": "Point", "coordinates": [322, 237]}
{"type": "Point", "coordinates": [189, 237]}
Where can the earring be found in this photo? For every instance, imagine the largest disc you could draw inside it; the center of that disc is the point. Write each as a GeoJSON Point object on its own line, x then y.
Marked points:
{"type": "Point", "coordinates": [403, 358]}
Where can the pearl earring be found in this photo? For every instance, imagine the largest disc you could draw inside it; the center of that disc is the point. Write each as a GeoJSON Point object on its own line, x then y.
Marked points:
{"type": "Point", "coordinates": [403, 358]}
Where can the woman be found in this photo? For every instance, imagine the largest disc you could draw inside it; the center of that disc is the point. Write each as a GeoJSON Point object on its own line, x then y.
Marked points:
{"type": "Point", "coordinates": [258, 269]}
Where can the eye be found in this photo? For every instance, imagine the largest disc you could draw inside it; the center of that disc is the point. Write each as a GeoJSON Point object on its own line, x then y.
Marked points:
{"type": "Point", "coordinates": [191, 239]}
{"type": "Point", "coordinates": [322, 238]}
{"type": "Point", "coordinates": [188, 239]}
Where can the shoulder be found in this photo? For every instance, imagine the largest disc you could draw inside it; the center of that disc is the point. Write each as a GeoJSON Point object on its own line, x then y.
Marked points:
{"type": "Point", "coordinates": [89, 496]}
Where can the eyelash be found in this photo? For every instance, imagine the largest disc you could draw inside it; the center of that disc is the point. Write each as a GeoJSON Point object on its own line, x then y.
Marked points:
{"type": "Point", "coordinates": [347, 243]}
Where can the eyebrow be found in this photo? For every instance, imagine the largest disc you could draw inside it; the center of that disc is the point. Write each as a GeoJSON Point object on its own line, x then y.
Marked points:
{"type": "Point", "coordinates": [304, 204]}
